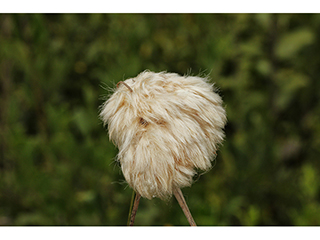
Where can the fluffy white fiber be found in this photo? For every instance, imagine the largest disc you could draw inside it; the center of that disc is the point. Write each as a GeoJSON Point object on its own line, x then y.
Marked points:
{"type": "Point", "coordinates": [165, 127]}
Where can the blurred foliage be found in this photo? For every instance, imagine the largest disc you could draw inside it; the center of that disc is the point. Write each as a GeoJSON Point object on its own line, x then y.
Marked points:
{"type": "Point", "coordinates": [57, 165]}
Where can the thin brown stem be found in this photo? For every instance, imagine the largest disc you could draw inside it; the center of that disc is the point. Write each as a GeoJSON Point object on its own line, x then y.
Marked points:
{"type": "Point", "coordinates": [182, 202]}
{"type": "Point", "coordinates": [135, 208]}
{"type": "Point", "coordinates": [125, 85]}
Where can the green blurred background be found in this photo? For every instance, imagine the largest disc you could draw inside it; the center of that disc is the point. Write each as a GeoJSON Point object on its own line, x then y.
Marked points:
{"type": "Point", "coordinates": [57, 166]}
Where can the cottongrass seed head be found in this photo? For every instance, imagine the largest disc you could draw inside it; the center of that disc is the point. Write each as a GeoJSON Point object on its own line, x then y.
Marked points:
{"type": "Point", "coordinates": [166, 126]}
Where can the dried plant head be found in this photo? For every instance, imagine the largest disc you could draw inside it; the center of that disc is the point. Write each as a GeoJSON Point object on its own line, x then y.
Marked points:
{"type": "Point", "coordinates": [166, 126]}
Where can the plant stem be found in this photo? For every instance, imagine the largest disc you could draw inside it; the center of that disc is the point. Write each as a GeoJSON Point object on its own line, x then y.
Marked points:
{"type": "Point", "coordinates": [130, 209]}
{"type": "Point", "coordinates": [135, 208]}
{"type": "Point", "coordinates": [182, 202]}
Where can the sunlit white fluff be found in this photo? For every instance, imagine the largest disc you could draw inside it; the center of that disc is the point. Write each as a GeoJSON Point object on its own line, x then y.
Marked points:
{"type": "Point", "coordinates": [165, 127]}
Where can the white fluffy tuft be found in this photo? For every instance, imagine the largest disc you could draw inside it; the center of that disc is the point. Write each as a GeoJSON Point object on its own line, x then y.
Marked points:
{"type": "Point", "coordinates": [165, 127]}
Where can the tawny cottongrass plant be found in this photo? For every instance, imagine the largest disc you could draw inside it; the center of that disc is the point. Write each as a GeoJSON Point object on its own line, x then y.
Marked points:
{"type": "Point", "coordinates": [166, 126]}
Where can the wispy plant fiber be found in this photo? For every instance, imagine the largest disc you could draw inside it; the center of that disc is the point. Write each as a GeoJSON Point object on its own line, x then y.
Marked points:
{"type": "Point", "coordinates": [166, 126]}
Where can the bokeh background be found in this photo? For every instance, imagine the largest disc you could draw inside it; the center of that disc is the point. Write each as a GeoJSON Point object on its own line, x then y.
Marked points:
{"type": "Point", "coordinates": [57, 166]}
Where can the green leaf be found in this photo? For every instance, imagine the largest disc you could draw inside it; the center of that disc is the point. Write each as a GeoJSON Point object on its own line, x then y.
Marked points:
{"type": "Point", "coordinates": [291, 43]}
